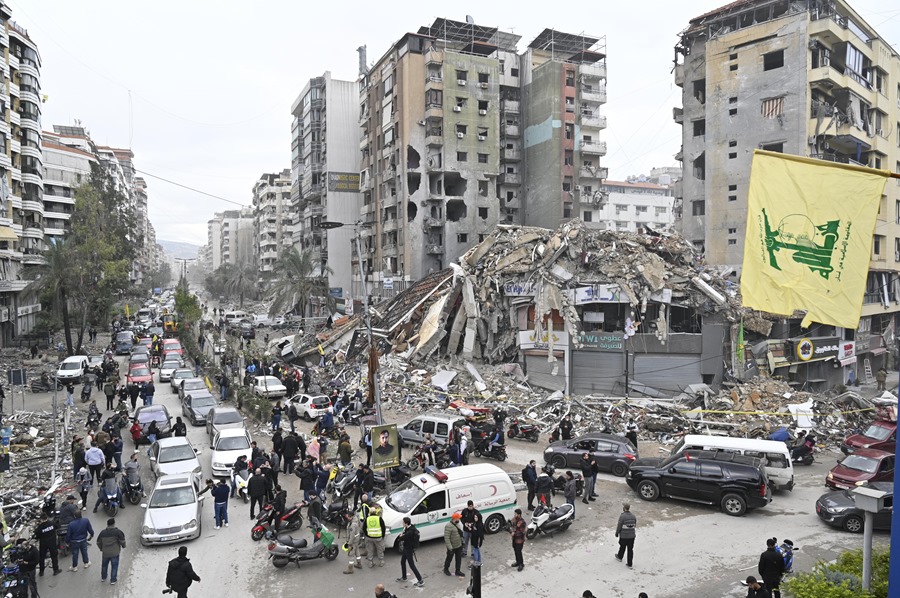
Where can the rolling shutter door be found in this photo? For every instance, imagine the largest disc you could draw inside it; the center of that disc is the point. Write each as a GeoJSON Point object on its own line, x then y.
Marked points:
{"type": "Point", "coordinates": [539, 371]}
{"type": "Point", "coordinates": [669, 373]}
{"type": "Point", "coordinates": [598, 373]}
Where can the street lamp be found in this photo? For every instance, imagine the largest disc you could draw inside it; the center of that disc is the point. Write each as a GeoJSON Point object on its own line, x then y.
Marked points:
{"type": "Point", "coordinates": [373, 371]}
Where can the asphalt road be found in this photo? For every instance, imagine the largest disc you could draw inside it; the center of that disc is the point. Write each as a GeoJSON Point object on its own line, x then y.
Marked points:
{"type": "Point", "coordinates": [682, 550]}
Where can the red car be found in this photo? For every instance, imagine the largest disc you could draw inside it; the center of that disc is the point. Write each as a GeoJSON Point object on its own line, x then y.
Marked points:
{"type": "Point", "coordinates": [171, 345]}
{"type": "Point", "coordinates": [139, 374]}
{"type": "Point", "coordinates": [881, 434]}
{"type": "Point", "coordinates": [860, 468]}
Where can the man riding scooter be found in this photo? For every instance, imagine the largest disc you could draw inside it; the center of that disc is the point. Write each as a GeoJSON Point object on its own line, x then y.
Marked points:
{"type": "Point", "coordinates": [108, 474]}
{"type": "Point", "coordinates": [804, 446]}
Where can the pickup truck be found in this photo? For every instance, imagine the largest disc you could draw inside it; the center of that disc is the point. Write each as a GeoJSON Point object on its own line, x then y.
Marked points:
{"type": "Point", "coordinates": [881, 433]}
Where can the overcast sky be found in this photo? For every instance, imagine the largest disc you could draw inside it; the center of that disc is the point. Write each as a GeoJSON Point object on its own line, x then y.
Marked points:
{"type": "Point", "coordinates": [201, 90]}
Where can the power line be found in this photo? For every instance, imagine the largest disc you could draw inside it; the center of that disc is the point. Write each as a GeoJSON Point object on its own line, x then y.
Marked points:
{"type": "Point", "coordinates": [171, 182]}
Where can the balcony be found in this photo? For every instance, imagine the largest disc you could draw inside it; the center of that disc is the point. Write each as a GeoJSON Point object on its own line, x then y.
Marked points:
{"type": "Point", "coordinates": [434, 111]}
{"type": "Point", "coordinates": [434, 57]}
{"type": "Point", "coordinates": [597, 148]}
{"type": "Point", "coordinates": [13, 285]}
{"type": "Point", "coordinates": [389, 225]}
{"type": "Point", "coordinates": [593, 71]}
{"type": "Point", "coordinates": [593, 121]}
{"type": "Point", "coordinates": [33, 231]}
{"type": "Point", "coordinates": [434, 136]}
{"type": "Point", "coordinates": [509, 106]}
{"type": "Point", "coordinates": [678, 114]}
{"type": "Point", "coordinates": [32, 258]}
{"type": "Point", "coordinates": [679, 75]}
{"type": "Point", "coordinates": [434, 222]}
{"type": "Point", "coordinates": [435, 82]}
{"type": "Point", "coordinates": [509, 130]}
{"type": "Point", "coordinates": [434, 249]}
{"type": "Point", "coordinates": [510, 178]}
{"type": "Point", "coordinates": [510, 155]}
{"type": "Point", "coordinates": [32, 152]}
{"type": "Point", "coordinates": [596, 172]}
{"type": "Point", "coordinates": [594, 95]}
{"type": "Point", "coordinates": [33, 206]}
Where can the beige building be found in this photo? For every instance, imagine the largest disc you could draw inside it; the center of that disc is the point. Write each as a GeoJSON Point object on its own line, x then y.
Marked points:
{"type": "Point", "coordinates": [272, 219]}
{"type": "Point", "coordinates": [806, 78]}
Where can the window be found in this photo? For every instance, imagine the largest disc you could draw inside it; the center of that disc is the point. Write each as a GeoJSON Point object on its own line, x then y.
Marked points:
{"type": "Point", "coordinates": [773, 147]}
{"type": "Point", "coordinates": [732, 187]}
{"type": "Point", "coordinates": [640, 209]}
{"type": "Point", "coordinates": [481, 237]}
{"type": "Point", "coordinates": [732, 198]}
{"type": "Point", "coordinates": [462, 238]}
{"type": "Point", "coordinates": [482, 158]}
{"type": "Point", "coordinates": [732, 241]}
{"type": "Point", "coordinates": [483, 213]}
{"type": "Point", "coordinates": [732, 231]}
{"type": "Point", "coordinates": [732, 143]}
{"type": "Point", "coordinates": [732, 100]}
{"type": "Point", "coordinates": [733, 67]}
{"type": "Point", "coordinates": [513, 72]}
{"type": "Point", "coordinates": [482, 185]}
{"type": "Point", "coordinates": [772, 107]}
{"type": "Point", "coordinates": [482, 133]}
{"type": "Point", "coordinates": [461, 129]}
{"type": "Point", "coordinates": [700, 90]}
{"type": "Point", "coordinates": [732, 155]}
{"type": "Point", "coordinates": [587, 190]}
{"type": "Point", "coordinates": [587, 216]}
{"type": "Point", "coordinates": [621, 208]}
{"type": "Point", "coordinates": [699, 167]}
{"type": "Point", "coordinates": [567, 185]}
{"type": "Point", "coordinates": [462, 75]}
{"type": "Point", "coordinates": [570, 78]}
{"type": "Point", "coordinates": [570, 104]}
{"type": "Point", "coordinates": [460, 103]}
{"type": "Point", "coordinates": [482, 77]}
{"type": "Point", "coordinates": [732, 112]}
{"type": "Point", "coordinates": [732, 57]}
{"type": "Point", "coordinates": [570, 131]}
{"type": "Point", "coordinates": [880, 79]}
{"type": "Point", "coordinates": [511, 195]}
{"type": "Point", "coordinates": [699, 127]}
{"type": "Point", "coordinates": [462, 156]}
{"type": "Point", "coordinates": [684, 468]}
{"type": "Point", "coordinates": [876, 244]}
{"type": "Point", "coordinates": [660, 211]}
{"type": "Point", "coordinates": [483, 105]}
{"type": "Point", "coordinates": [620, 225]}
{"type": "Point", "coordinates": [567, 212]}
{"type": "Point", "coordinates": [569, 158]}
{"type": "Point", "coordinates": [710, 470]}
{"type": "Point", "coordinates": [698, 208]}
{"type": "Point", "coordinates": [773, 60]}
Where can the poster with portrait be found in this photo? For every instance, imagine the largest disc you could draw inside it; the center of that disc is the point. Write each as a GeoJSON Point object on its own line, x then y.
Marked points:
{"type": "Point", "coordinates": [385, 447]}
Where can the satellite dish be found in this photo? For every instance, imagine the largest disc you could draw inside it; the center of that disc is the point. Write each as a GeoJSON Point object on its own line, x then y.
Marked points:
{"type": "Point", "coordinates": [470, 20]}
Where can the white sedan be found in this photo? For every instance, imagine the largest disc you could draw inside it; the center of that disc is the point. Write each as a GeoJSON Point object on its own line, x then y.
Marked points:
{"type": "Point", "coordinates": [269, 387]}
{"type": "Point", "coordinates": [227, 446]}
{"type": "Point", "coordinates": [168, 367]}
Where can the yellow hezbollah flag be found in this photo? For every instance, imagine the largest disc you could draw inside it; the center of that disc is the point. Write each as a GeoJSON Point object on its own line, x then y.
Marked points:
{"type": "Point", "coordinates": [809, 237]}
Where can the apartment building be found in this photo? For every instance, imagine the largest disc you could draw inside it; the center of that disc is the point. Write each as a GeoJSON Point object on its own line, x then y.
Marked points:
{"type": "Point", "coordinates": [237, 238]}
{"type": "Point", "coordinates": [631, 206]}
{"type": "Point", "coordinates": [563, 89]}
{"type": "Point", "coordinates": [273, 219]}
{"type": "Point", "coordinates": [214, 241]}
{"type": "Point", "coordinates": [810, 78]}
{"type": "Point", "coordinates": [69, 155]}
{"type": "Point", "coordinates": [21, 175]}
{"type": "Point", "coordinates": [325, 178]}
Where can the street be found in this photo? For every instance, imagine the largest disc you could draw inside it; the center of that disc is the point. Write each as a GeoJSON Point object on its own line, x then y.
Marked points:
{"type": "Point", "coordinates": [682, 549]}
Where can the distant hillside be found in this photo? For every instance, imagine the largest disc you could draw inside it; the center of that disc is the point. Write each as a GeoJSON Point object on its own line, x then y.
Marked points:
{"type": "Point", "coordinates": [181, 250]}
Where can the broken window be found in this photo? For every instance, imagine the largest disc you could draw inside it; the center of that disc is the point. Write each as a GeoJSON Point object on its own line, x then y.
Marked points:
{"type": "Point", "coordinates": [567, 212]}
{"type": "Point", "coordinates": [570, 78]}
{"type": "Point", "coordinates": [698, 208]}
{"type": "Point", "coordinates": [821, 56]}
{"type": "Point", "coordinates": [434, 98]}
{"type": "Point", "coordinates": [699, 166]}
{"type": "Point", "coordinates": [456, 210]}
{"type": "Point", "coordinates": [700, 90]}
{"type": "Point", "coordinates": [773, 60]}
{"type": "Point", "coordinates": [462, 156]}
{"type": "Point", "coordinates": [482, 158]}
{"type": "Point", "coordinates": [460, 104]}
{"type": "Point", "coordinates": [773, 107]}
{"type": "Point", "coordinates": [482, 185]}
{"type": "Point", "coordinates": [454, 184]}
{"type": "Point", "coordinates": [699, 127]}
{"type": "Point", "coordinates": [511, 195]}
{"type": "Point", "coordinates": [570, 104]}
{"type": "Point", "coordinates": [570, 131]}
{"type": "Point", "coordinates": [482, 133]}
{"type": "Point", "coordinates": [732, 231]}
{"type": "Point", "coordinates": [733, 67]}
{"type": "Point", "coordinates": [569, 158]}
{"type": "Point", "coordinates": [732, 143]}
{"type": "Point", "coordinates": [412, 157]}
{"type": "Point", "coordinates": [773, 147]}
{"type": "Point", "coordinates": [462, 238]}
{"type": "Point", "coordinates": [413, 180]}
{"type": "Point", "coordinates": [411, 211]}
{"type": "Point", "coordinates": [483, 213]}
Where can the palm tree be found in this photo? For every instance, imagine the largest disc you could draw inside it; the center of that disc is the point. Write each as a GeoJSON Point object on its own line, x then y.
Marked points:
{"type": "Point", "coordinates": [296, 278]}
{"type": "Point", "coordinates": [241, 280]}
{"type": "Point", "coordinates": [54, 277]}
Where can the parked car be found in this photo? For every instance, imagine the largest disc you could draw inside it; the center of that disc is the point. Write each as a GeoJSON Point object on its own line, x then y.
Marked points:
{"type": "Point", "coordinates": [222, 417]}
{"type": "Point", "coordinates": [248, 330]}
{"type": "Point", "coordinates": [123, 343]}
{"type": "Point", "coordinates": [173, 455]}
{"type": "Point", "coordinates": [168, 366]}
{"type": "Point", "coordinates": [734, 482]}
{"type": "Point", "coordinates": [139, 358]}
{"type": "Point", "coordinates": [838, 509]}
{"type": "Point", "coordinates": [269, 387]}
{"type": "Point", "coordinates": [196, 404]}
{"type": "Point", "coordinates": [227, 446]}
{"type": "Point", "coordinates": [172, 345]}
{"type": "Point", "coordinates": [138, 374]}
{"type": "Point", "coordinates": [439, 425]}
{"type": "Point", "coordinates": [72, 369]}
{"type": "Point", "coordinates": [158, 413]}
{"type": "Point", "coordinates": [173, 511]}
{"type": "Point", "coordinates": [190, 384]}
{"type": "Point", "coordinates": [179, 375]}
{"type": "Point", "coordinates": [309, 407]}
{"type": "Point", "coordinates": [861, 467]}
{"type": "Point", "coordinates": [612, 453]}
{"type": "Point", "coordinates": [220, 346]}
{"type": "Point", "coordinates": [881, 434]}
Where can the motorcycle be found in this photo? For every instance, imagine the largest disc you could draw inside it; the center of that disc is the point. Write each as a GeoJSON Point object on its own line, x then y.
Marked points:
{"type": "Point", "coordinates": [109, 492]}
{"type": "Point", "coordinates": [559, 484]}
{"type": "Point", "coordinates": [398, 476]}
{"type": "Point", "coordinates": [803, 457]}
{"type": "Point", "coordinates": [332, 433]}
{"type": "Point", "coordinates": [547, 521]}
{"type": "Point", "coordinates": [339, 515]}
{"type": "Point", "coordinates": [420, 457]}
{"type": "Point", "coordinates": [42, 384]}
{"type": "Point", "coordinates": [93, 421]}
{"type": "Point", "coordinates": [523, 431]}
{"type": "Point", "coordinates": [240, 480]}
{"type": "Point", "coordinates": [285, 549]}
{"type": "Point", "coordinates": [133, 489]}
{"type": "Point", "coordinates": [120, 420]}
{"type": "Point", "coordinates": [342, 482]}
{"type": "Point", "coordinates": [291, 520]}
{"type": "Point", "coordinates": [86, 392]}
{"type": "Point", "coordinates": [498, 451]}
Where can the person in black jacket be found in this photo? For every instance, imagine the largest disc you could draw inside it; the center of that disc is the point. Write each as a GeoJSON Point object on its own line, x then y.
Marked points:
{"type": "Point", "coordinates": [771, 568]}
{"type": "Point", "coordinates": [529, 476]}
{"type": "Point", "coordinates": [544, 485]}
{"type": "Point", "coordinates": [257, 490]}
{"type": "Point", "coordinates": [45, 534]}
{"type": "Point", "coordinates": [180, 574]}
{"type": "Point", "coordinates": [756, 589]}
{"type": "Point", "coordinates": [409, 541]}
{"type": "Point", "coordinates": [589, 472]}
{"type": "Point", "coordinates": [28, 562]}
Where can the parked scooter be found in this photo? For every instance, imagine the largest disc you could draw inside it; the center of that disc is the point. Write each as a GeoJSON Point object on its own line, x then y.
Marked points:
{"type": "Point", "coordinates": [86, 392]}
{"type": "Point", "coordinates": [343, 482]}
{"type": "Point", "coordinates": [285, 549]}
{"type": "Point", "coordinates": [523, 431]}
{"type": "Point", "coordinates": [240, 480]}
{"type": "Point", "coordinates": [339, 515]}
{"type": "Point", "coordinates": [132, 487]}
{"type": "Point", "coordinates": [420, 457]}
{"type": "Point", "coordinates": [498, 451]}
{"type": "Point", "coordinates": [547, 520]}
{"type": "Point", "coordinates": [559, 484]}
{"type": "Point", "coordinates": [291, 520]}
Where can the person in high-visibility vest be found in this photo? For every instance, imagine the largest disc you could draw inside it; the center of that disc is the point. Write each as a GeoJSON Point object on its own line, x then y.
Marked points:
{"type": "Point", "coordinates": [375, 531]}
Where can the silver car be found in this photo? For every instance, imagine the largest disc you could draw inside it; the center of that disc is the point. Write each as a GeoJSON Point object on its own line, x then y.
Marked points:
{"type": "Point", "coordinates": [179, 375]}
{"type": "Point", "coordinates": [222, 417]}
{"type": "Point", "coordinates": [173, 455]}
{"type": "Point", "coordinates": [168, 367]}
{"type": "Point", "coordinates": [173, 511]}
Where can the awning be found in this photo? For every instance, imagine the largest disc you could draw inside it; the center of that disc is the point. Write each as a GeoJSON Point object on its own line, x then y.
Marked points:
{"type": "Point", "coordinates": [878, 351]}
{"type": "Point", "coordinates": [8, 234]}
{"type": "Point", "coordinates": [847, 361]}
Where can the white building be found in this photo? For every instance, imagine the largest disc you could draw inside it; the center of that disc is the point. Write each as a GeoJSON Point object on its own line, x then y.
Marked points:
{"type": "Point", "coordinates": [630, 206]}
{"type": "Point", "coordinates": [68, 156]}
{"type": "Point", "coordinates": [273, 219]}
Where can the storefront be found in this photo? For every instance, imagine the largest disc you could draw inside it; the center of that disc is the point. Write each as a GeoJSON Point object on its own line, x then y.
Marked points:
{"type": "Point", "coordinates": [546, 359]}
{"type": "Point", "coordinates": [598, 367]}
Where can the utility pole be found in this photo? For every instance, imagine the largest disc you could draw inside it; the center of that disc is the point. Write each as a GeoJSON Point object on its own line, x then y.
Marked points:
{"type": "Point", "coordinates": [372, 353]}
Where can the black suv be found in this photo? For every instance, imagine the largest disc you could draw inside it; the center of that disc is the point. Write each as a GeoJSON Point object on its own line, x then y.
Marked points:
{"type": "Point", "coordinates": [734, 482]}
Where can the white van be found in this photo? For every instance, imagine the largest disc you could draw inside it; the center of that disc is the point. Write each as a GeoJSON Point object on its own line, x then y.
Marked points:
{"type": "Point", "coordinates": [233, 318]}
{"type": "Point", "coordinates": [72, 369]}
{"type": "Point", "coordinates": [430, 503]}
{"type": "Point", "coordinates": [775, 455]}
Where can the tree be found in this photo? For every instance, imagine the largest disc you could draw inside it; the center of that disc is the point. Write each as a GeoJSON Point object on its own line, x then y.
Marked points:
{"type": "Point", "coordinates": [842, 578]}
{"type": "Point", "coordinates": [53, 279]}
{"type": "Point", "coordinates": [241, 280]}
{"type": "Point", "coordinates": [159, 278]}
{"type": "Point", "coordinates": [296, 278]}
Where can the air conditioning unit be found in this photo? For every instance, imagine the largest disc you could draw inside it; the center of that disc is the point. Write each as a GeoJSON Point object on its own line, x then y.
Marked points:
{"type": "Point", "coordinates": [461, 82]}
{"type": "Point", "coordinates": [482, 112]}
{"type": "Point", "coordinates": [881, 132]}
{"type": "Point", "coordinates": [457, 108]}
{"type": "Point", "coordinates": [460, 135]}
{"type": "Point", "coordinates": [482, 137]}
{"type": "Point", "coordinates": [483, 85]}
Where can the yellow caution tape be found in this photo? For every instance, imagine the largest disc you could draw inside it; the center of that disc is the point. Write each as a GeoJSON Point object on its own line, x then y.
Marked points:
{"type": "Point", "coordinates": [811, 414]}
